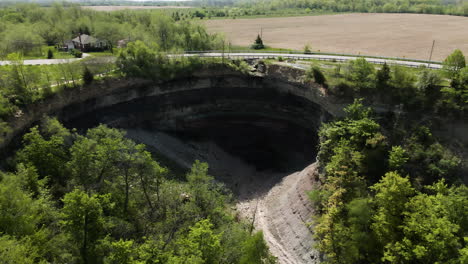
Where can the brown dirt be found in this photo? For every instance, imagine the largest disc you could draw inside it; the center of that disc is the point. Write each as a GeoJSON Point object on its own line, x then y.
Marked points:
{"type": "Point", "coordinates": [116, 8]}
{"type": "Point", "coordinates": [392, 35]}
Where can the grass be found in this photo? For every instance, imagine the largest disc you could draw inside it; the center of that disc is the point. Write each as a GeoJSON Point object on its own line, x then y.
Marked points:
{"type": "Point", "coordinates": [43, 54]}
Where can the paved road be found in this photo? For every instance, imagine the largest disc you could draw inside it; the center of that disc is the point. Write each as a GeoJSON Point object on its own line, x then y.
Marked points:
{"type": "Point", "coordinates": [413, 64]}
{"type": "Point", "coordinates": [47, 61]}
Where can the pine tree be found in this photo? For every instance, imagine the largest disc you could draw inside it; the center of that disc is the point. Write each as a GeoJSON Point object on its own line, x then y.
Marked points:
{"type": "Point", "coordinates": [50, 54]}
{"type": "Point", "coordinates": [258, 44]}
{"type": "Point", "coordinates": [88, 76]}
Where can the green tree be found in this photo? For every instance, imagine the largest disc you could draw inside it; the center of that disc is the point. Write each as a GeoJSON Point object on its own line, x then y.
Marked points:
{"type": "Point", "coordinates": [428, 84]}
{"type": "Point", "coordinates": [122, 251]}
{"type": "Point", "coordinates": [48, 153]}
{"type": "Point", "coordinates": [397, 158]}
{"type": "Point", "coordinates": [383, 77]}
{"type": "Point", "coordinates": [201, 245]}
{"type": "Point", "coordinates": [88, 76]}
{"type": "Point", "coordinates": [82, 218]}
{"type": "Point", "coordinates": [429, 235]}
{"type": "Point", "coordinates": [50, 54]}
{"type": "Point", "coordinates": [454, 63]}
{"type": "Point", "coordinates": [361, 73]}
{"type": "Point", "coordinates": [19, 251]}
{"type": "Point", "coordinates": [255, 251]}
{"type": "Point", "coordinates": [258, 44]}
{"type": "Point", "coordinates": [392, 193]}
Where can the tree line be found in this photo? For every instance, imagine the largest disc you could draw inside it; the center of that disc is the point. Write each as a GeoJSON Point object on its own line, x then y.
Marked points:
{"type": "Point", "coordinates": [25, 27]}
{"type": "Point", "coordinates": [293, 7]}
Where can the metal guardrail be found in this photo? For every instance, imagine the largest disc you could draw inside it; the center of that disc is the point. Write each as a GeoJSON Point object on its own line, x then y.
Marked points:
{"type": "Point", "coordinates": [314, 53]}
{"type": "Point", "coordinates": [315, 56]}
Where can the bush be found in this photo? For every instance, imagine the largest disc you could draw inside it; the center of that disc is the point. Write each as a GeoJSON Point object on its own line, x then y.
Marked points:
{"type": "Point", "coordinates": [314, 73]}
{"type": "Point", "coordinates": [307, 49]}
{"type": "Point", "coordinates": [50, 54]}
{"type": "Point", "coordinates": [76, 53]}
{"type": "Point", "coordinates": [88, 76]}
{"type": "Point", "coordinates": [318, 76]}
{"type": "Point", "coordinates": [280, 58]}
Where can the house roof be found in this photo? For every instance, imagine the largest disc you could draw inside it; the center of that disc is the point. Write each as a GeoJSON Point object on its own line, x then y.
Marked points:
{"type": "Point", "coordinates": [85, 39]}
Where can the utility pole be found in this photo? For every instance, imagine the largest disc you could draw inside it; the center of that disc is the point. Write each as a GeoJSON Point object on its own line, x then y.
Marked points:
{"type": "Point", "coordinates": [430, 56]}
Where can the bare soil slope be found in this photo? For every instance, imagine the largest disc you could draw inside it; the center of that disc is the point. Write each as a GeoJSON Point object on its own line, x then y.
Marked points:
{"type": "Point", "coordinates": [392, 35]}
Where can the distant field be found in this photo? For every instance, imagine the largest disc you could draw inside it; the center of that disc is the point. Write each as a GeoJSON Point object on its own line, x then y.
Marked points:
{"type": "Point", "coordinates": [116, 8]}
{"type": "Point", "coordinates": [392, 35]}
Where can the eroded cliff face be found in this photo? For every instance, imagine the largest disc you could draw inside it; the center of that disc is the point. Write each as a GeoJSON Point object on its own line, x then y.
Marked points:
{"type": "Point", "coordinates": [252, 115]}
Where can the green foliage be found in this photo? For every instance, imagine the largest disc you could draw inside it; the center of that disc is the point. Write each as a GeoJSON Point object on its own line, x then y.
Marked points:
{"type": "Point", "coordinates": [50, 54]}
{"type": "Point", "coordinates": [255, 251]}
{"type": "Point", "coordinates": [83, 219]}
{"type": "Point", "coordinates": [140, 60]}
{"type": "Point", "coordinates": [383, 77]}
{"type": "Point", "coordinates": [361, 73]}
{"type": "Point", "coordinates": [307, 49]}
{"type": "Point", "coordinates": [113, 204]}
{"type": "Point", "coordinates": [316, 74]}
{"type": "Point", "coordinates": [397, 158]}
{"type": "Point", "coordinates": [77, 53]}
{"type": "Point", "coordinates": [258, 44]}
{"type": "Point", "coordinates": [454, 63]}
{"type": "Point", "coordinates": [88, 76]}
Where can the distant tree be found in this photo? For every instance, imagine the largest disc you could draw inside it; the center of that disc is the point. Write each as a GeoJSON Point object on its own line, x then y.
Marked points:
{"type": "Point", "coordinates": [307, 49]}
{"type": "Point", "coordinates": [454, 63]}
{"type": "Point", "coordinates": [258, 44]}
{"type": "Point", "coordinates": [88, 76]}
{"type": "Point", "coordinates": [50, 54]}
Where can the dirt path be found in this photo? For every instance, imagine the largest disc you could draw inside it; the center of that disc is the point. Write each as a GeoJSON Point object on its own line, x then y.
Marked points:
{"type": "Point", "coordinates": [276, 203]}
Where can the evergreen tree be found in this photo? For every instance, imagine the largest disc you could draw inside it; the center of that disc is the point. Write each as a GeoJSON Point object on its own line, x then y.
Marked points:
{"type": "Point", "coordinates": [88, 76]}
{"type": "Point", "coordinates": [50, 54]}
{"type": "Point", "coordinates": [258, 44]}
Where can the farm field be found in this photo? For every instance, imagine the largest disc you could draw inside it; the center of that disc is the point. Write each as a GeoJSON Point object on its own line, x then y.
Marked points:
{"type": "Point", "coordinates": [117, 8]}
{"type": "Point", "coordinates": [391, 35]}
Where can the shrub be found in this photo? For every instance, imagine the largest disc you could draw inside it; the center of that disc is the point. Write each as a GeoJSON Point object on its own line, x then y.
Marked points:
{"type": "Point", "coordinates": [50, 54]}
{"type": "Point", "coordinates": [88, 76]}
{"type": "Point", "coordinates": [76, 53]}
{"type": "Point", "coordinates": [307, 49]}
{"type": "Point", "coordinates": [280, 58]}
{"type": "Point", "coordinates": [316, 74]}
